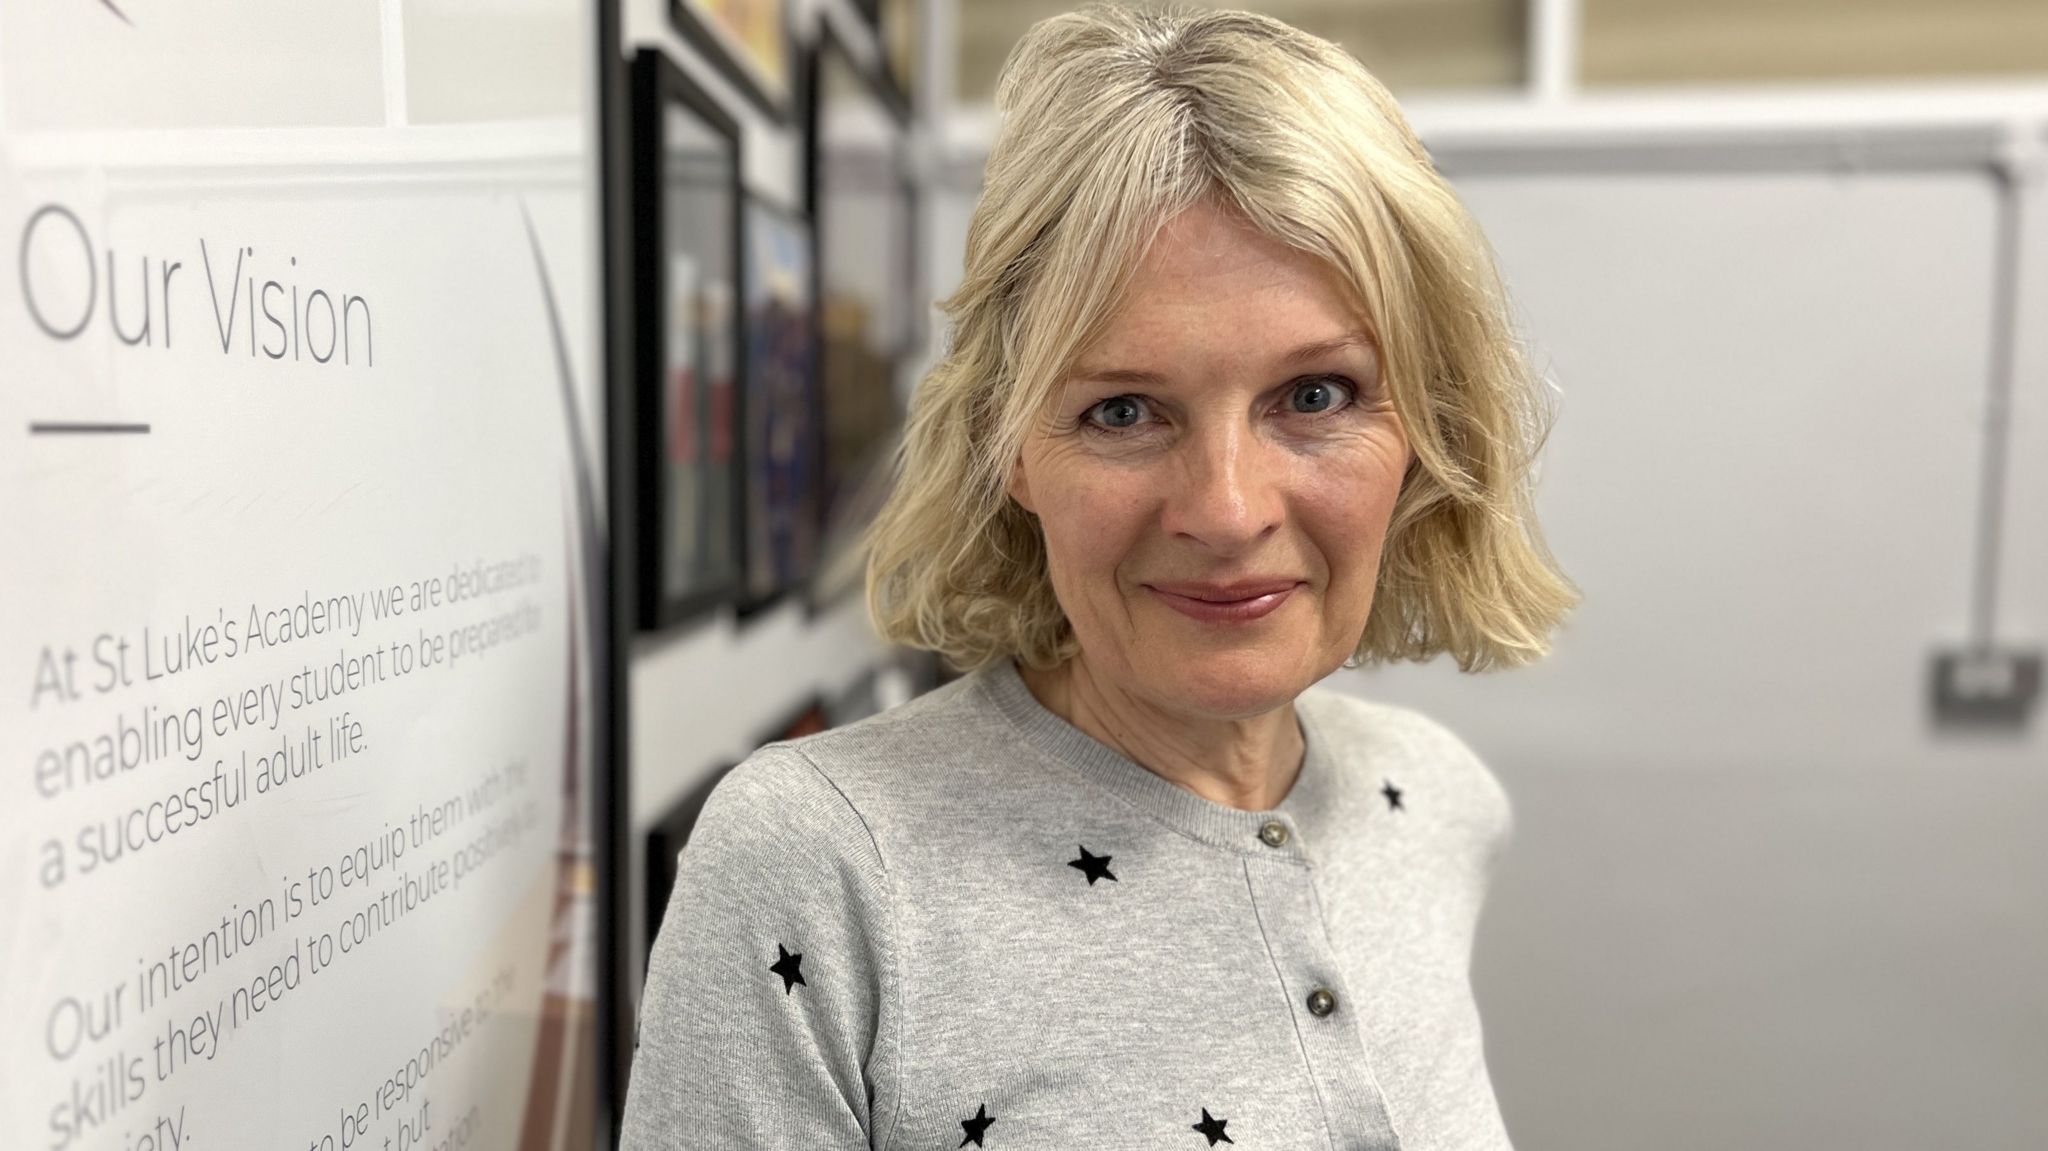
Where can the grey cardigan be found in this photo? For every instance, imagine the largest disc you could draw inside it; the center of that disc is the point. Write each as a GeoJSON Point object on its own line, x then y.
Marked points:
{"type": "Point", "coordinates": [964, 922]}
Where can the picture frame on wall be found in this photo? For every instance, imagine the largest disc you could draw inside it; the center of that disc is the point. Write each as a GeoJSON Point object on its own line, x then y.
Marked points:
{"type": "Point", "coordinates": [784, 434]}
{"type": "Point", "coordinates": [690, 346]}
{"type": "Point", "coordinates": [747, 41]}
{"type": "Point", "coordinates": [862, 202]}
{"type": "Point", "coordinates": [899, 28]}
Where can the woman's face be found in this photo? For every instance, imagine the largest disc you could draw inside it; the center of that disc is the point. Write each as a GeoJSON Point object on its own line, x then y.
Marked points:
{"type": "Point", "coordinates": [1214, 480]}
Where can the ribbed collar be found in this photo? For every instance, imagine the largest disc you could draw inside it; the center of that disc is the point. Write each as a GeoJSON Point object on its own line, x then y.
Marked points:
{"type": "Point", "coordinates": [1229, 828]}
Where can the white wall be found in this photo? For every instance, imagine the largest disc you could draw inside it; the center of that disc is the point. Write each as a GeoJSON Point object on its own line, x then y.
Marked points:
{"type": "Point", "coordinates": [1756, 899]}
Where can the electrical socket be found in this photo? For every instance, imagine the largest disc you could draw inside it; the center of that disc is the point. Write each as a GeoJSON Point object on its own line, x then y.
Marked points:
{"type": "Point", "coordinates": [1992, 687]}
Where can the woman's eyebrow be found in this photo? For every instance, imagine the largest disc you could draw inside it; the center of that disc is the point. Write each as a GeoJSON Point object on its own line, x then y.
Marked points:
{"type": "Point", "coordinates": [1301, 355]}
{"type": "Point", "coordinates": [1321, 348]}
{"type": "Point", "coordinates": [1120, 376]}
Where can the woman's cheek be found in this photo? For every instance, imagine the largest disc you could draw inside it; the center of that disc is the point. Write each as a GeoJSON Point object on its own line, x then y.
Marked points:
{"type": "Point", "coordinates": [1350, 497]}
{"type": "Point", "coordinates": [1103, 508]}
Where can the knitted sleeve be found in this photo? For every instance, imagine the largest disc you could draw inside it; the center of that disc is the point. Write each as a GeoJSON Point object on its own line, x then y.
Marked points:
{"type": "Point", "coordinates": [768, 1018]}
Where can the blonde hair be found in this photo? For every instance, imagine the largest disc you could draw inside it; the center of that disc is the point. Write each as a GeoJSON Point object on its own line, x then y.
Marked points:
{"type": "Point", "coordinates": [1113, 120]}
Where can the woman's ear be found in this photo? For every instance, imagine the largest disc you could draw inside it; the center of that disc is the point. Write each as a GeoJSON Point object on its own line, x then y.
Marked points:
{"type": "Point", "coordinates": [1019, 487]}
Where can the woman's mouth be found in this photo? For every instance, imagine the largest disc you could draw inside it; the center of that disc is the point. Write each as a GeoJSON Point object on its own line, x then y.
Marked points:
{"type": "Point", "coordinates": [1240, 602]}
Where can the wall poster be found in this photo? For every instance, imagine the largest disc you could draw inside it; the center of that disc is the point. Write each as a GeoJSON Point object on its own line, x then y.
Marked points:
{"type": "Point", "coordinates": [301, 494]}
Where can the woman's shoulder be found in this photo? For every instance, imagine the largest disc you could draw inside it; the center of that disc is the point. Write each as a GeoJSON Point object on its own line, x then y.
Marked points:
{"type": "Point", "coordinates": [1384, 740]}
{"type": "Point", "coordinates": [775, 809]}
{"type": "Point", "coordinates": [866, 774]}
{"type": "Point", "coordinates": [926, 740]}
{"type": "Point", "coordinates": [1382, 726]}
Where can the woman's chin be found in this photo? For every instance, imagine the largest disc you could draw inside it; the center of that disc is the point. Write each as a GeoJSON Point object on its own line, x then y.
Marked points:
{"type": "Point", "coordinates": [1225, 685]}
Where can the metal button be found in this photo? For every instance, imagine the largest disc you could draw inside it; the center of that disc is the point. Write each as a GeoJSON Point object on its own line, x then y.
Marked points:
{"type": "Point", "coordinates": [1321, 1002]}
{"type": "Point", "coordinates": [1274, 833]}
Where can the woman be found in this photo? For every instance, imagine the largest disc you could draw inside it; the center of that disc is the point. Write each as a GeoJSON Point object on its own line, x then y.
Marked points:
{"type": "Point", "coordinates": [1231, 401]}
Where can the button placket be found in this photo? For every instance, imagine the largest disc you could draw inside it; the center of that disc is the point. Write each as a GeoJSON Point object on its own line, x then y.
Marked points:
{"type": "Point", "coordinates": [1282, 891]}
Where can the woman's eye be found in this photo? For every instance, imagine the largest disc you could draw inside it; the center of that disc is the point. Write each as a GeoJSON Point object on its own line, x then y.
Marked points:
{"type": "Point", "coordinates": [1118, 412]}
{"type": "Point", "coordinates": [1313, 397]}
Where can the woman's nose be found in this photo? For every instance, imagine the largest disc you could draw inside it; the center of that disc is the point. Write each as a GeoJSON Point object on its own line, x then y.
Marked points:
{"type": "Point", "coordinates": [1227, 494]}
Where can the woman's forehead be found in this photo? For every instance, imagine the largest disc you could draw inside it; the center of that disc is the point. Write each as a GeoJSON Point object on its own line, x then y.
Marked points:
{"type": "Point", "coordinates": [1206, 262]}
{"type": "Point", "coordinates": [1206, 240]}
{"type": "Point", "coordinates": [1274, 322]}
{"type": "Point", "coordinates": [1158, 366]}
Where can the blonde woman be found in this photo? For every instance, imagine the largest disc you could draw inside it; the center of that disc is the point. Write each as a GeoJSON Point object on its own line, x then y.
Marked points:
{"type": "Point", "coordinates": [1231, 400]}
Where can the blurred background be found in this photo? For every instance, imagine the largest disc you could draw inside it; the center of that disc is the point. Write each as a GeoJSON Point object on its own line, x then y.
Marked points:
{"type": "Point", "coordinates": [1779, 876]}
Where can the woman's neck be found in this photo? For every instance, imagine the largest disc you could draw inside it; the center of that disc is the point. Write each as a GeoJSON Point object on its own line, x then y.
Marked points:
{"type": "Point", "coordinates": [1249, 764]}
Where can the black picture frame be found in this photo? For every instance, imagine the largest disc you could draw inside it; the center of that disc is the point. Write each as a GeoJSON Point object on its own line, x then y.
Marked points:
{"type": "Point", "coordinates": [783, 442]}
{"type": "Point", "coordinates": [731, 56]}
{"type": "Point", "coordinates": [660, 88]}
{"type": "Point", "coordinates": [883, 21]}
{"type": "Point", "coordinates": [611, 658]}
{"type": "Point", "coordinates": [899, 38]}
{"type": "Point", "coordinates": [810, 103]}
{"type": "Point", "coordinates": [860, 430]}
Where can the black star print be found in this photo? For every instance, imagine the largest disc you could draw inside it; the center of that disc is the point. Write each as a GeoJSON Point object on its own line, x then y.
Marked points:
{"type": "Point", "coordinates": [1213, 1128]}
{"type": "Point", "coordinates": [789, 967]}
{"type": "Point", "coordinates": [1393, 795]}
{"type": "Point", "coordinates": [976, 1126]}
{"type": "Point", "coordinates": [1094, 866]}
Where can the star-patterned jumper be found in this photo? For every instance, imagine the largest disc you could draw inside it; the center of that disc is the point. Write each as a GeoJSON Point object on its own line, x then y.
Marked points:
{"type": "Point", "coordinates": [966, 923]}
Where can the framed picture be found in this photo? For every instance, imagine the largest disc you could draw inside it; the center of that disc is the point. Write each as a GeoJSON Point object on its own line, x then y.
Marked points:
{"type": "Point", "coordinates": [861, 198]}
{"type": "Point", "coordinates": [899, 27]}
{"type": "Point", "coordinates": [780, 403]}
{"type": "Point", "coordinates": [747, 41]}
{"type": "Point", "coordinates": [689, 345]}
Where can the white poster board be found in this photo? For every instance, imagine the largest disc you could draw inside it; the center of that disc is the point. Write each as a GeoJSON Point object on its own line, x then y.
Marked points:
{"type": "Point", "coordinates": [299, 520]}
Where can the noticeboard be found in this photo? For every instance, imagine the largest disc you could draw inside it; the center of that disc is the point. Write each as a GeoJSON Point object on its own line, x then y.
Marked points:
{"type": "Point", "coordinates": [302, 638]}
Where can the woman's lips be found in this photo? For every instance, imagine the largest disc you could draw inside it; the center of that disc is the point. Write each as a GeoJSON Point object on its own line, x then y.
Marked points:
{"type": "Point", "coordinates": [1210, 605]}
